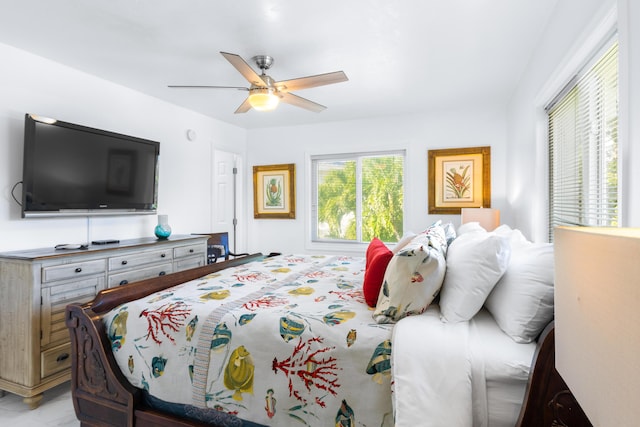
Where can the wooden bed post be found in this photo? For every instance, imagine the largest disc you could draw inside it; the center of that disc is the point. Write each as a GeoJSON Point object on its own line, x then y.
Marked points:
{"type": "Point", "coordinates": [548, 400]}
{"type": "Point", "coordinates": [100, 393]}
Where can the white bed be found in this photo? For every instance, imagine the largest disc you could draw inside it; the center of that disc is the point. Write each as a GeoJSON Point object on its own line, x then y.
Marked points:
{"type": "Point", "coordinates": [457, 374]}
{"type": "Point", "coordinates": [462, 360]}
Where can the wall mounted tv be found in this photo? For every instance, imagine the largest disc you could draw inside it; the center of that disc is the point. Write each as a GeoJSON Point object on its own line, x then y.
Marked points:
{"type": "Point", "coordinates": [73, 170]}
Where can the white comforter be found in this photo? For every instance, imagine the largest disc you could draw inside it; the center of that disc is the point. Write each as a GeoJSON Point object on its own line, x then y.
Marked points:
{"type": "Point", "coordinates": [457, 374]}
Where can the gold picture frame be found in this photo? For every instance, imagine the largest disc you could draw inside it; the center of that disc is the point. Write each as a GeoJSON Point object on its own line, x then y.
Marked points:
{"type": "Point", "coordinates": [459, 178]}
{"type": "Point", "coordinates": [274, 191]}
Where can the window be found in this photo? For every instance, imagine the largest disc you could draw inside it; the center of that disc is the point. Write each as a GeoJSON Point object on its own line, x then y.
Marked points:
{"type": "Point", "coordinates": [583, 146]}
{"type": "Point", "coordinates": [357, 197]}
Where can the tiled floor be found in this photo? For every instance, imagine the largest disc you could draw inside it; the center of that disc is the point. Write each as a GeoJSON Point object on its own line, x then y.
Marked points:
{"type": "Point", "coordinates": [55, 410]}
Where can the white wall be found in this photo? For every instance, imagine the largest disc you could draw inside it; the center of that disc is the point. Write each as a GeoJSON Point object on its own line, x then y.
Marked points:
{"type": "Point", "coordinates": [517, 134]}
{"type": "Point", "coordinates": [31, 84]}
{"type": "Point", "coordinates": [417, 134]}
{"type": "Point", "coordinates": [573, 28]}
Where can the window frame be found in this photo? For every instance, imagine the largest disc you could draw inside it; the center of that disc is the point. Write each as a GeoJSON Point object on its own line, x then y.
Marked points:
{"type": "Point", "coordinates": [314, 242]}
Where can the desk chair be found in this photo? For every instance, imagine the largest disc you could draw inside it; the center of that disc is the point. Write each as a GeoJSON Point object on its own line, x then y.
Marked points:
{"type": "Point", "coordinates": [218, 247]}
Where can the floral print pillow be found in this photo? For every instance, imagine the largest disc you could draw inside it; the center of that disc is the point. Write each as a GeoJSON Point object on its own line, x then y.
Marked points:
{"type": "Point", "coordinates": [413, 277]}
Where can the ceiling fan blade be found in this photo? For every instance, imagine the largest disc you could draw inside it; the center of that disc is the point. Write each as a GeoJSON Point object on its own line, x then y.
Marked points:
{"type": "Point", "coordinates": [206, 87]}
{"type": "Point", "coordinates": [311, 81]}
{"type": "Point", "coordinates": [301, 102]}
{"type": "Point", "coordinates": [244, 107]}
{"type": "Point", "coordinates": [244, 69]}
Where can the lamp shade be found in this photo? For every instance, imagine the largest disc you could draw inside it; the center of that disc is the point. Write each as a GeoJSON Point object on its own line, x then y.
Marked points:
{"type": "Point", "coordinates": [488, 218]}
{"type": "Point", "coordinates": [263, 99]}
{"type": "Point", "coordinates": [597, 320]}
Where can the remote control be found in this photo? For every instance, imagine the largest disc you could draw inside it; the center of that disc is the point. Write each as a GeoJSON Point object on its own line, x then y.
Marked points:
{"type": "Point", "coordinates": [71, 246]}
{"type": "Point", "coordinates": [105, 242]}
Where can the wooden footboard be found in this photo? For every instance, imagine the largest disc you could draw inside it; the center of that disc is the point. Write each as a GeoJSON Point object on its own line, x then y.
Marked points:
{"type": "Point", "coordinates": [101, 394]}
{"type": "Point", "coordinates": [548, 400]}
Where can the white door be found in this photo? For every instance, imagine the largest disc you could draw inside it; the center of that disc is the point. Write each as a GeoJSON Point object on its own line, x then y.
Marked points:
{"type": "Point", "coordinates": [227, 197]}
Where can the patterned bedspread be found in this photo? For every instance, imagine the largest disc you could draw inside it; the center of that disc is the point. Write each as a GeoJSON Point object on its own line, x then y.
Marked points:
{"type": "Point", "coordinates": [284, 341]}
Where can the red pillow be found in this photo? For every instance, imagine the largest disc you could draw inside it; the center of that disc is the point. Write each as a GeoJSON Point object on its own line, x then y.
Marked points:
{"type": "Point", "coordinates": [377, 259]}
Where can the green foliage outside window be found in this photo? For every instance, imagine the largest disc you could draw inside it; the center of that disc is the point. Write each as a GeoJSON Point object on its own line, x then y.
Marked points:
{"type": "Point", "coordinates": [380, 208]}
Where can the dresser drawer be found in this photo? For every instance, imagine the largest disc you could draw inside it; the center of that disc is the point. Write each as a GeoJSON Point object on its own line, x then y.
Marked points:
{"type": "Point", "coordinates": [185, 251]}
{"type": "Point", "coordinates": [70, 271]}
{"type": "Point", "coordinates": [54, 301]}
{"type": "Point", "coordinates": [55, 360]}
{"type": "Point", "coordinates": [139, 258]}
{"type": "Point", "coordinates": [143, 273]}
{"type": "Point", "coordinates": [68, 292]}
{"type": "Point", "coordinates": [192, 262]}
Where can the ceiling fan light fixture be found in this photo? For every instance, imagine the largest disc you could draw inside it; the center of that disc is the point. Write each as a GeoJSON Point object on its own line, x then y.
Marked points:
{"type": "Point", "coordinates": [263, 99]}
{"type": "Point", "coordinates": [265, 93]}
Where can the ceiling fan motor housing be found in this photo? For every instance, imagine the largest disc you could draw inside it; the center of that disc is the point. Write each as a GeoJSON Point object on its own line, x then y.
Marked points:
{"type": "Point", "coordinates": [264, 62]}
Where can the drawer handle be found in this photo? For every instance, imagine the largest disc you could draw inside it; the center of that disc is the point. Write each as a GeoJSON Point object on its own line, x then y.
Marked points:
{"type": "Point", "coordinates": [190, 251]}
{"type": "Point", "coordinates": [78, 270]}
{"type": "Point", "coordinates": [162, 273]}
{"type": "Point", "coordinates": [124, 282]}
{"type": "Point", "coordinates": [124, 262]}
{"type": "Point", "coordinates": [163, 255]}
{"type": "Point", "coordinates": [62, 357]}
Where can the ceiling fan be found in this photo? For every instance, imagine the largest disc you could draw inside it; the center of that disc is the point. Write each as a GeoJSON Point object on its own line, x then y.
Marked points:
{"type": "Point", "coordinates": [265, 93]}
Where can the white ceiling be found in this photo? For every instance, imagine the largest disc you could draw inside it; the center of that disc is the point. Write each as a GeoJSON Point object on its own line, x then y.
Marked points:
{"type": "Point", "coordinates": [401, 56]}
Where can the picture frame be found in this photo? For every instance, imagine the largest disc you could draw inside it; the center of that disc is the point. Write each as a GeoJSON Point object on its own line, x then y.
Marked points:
{"type": "Point", "coordinates": [274, 191]}
{"type": "Point", "coordinates": [459, 178]}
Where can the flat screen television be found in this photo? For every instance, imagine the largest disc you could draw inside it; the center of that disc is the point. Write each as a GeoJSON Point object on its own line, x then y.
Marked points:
{"type": "Point", "coordinates": [74, 170]}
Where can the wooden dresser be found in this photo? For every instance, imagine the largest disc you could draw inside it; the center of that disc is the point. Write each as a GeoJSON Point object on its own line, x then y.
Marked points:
{"type": "Point", "coordinates": [36, 286]}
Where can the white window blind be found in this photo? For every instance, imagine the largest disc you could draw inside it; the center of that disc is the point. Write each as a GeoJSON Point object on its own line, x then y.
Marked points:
{"type": "Point", "coordinates": [357, 197]}
{"type": "Point", "coordinates": [583, 147]}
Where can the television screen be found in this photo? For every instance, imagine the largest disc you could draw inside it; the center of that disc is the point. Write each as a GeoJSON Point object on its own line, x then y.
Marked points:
{"type": "Point", "coordinates": [76, 170]}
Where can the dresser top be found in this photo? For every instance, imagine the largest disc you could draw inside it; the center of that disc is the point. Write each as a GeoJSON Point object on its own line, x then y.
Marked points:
{"type": "Point", "coordinates": [41, 253]}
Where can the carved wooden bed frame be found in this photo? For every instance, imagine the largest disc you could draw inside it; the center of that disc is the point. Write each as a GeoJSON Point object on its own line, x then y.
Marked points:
{"type": "Point", "coordinates": [103, 397]}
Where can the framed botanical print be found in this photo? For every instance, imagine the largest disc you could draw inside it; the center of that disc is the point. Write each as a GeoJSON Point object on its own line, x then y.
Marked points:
{"type": "Point", "coordinates": [459, 178]}
{"type": "Point", "coordinates": [274, 191]}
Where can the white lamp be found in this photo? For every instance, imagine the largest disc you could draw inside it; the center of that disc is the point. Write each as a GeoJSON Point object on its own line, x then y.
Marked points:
{"type": "Point", "coordinates": [597, 320]}
{"type": "Point", "coordinates": [488, 218]}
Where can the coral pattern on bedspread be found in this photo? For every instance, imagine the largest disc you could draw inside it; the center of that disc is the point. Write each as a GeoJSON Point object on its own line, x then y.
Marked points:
{"type": "Point", "coordinates": [284, 341]}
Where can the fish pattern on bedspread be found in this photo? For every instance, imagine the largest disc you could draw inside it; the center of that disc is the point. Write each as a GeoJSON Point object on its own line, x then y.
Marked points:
{"type": "Point", "coordinates": [284, 341]}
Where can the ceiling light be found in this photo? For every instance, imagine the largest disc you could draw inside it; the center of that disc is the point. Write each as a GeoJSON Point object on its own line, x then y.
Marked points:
{"type": "Point", "coordinates": [263, 99]}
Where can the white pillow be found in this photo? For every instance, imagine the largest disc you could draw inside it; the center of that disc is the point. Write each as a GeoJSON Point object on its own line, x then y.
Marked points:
{"type": "Point", "coordinates": [515, 237]}
{"type": "Point", "coordinates": [522, 301]}
{"type": "Point", "coordinates": [470, 227]}
{"type": "Point", "coordinates": [413, 277]}
{"type": "Point", "coordinates": [449, 232]}
{"type": "Point", "coordinates": [475, 262]}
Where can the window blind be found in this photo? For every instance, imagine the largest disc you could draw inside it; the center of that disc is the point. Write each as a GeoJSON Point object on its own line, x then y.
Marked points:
{"type": "Point", "coordinates": [583, 147]}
